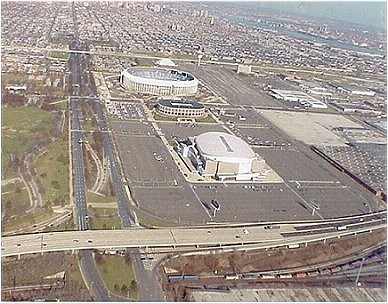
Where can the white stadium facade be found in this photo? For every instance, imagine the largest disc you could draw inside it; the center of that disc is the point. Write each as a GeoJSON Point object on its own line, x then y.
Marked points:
{"type": "Point", "coordinates": [180, 108]}
{"type": "Point", "coordinates": [159, 82]}
{"type": "Point", "coordinates": [222, 156]}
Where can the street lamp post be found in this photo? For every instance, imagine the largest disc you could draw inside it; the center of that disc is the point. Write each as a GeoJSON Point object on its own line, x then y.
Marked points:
{"type": "Point", "coordinates": [359, 272]}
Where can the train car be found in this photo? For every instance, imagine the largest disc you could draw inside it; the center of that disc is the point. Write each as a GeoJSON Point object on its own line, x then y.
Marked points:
{"type": "Point", "coordinates": [250, 275]}
{"type": "Point", "coordinates": [231, 276]}
{"type": "Point", "coordinates": [355, 263]}
{"type": "Point", "coordinates": [345, 266]}
{"type": "Point", "coordinates": [335, 269]}
{"type": "Point", "coordinates": [301, 275]}
{"type": "Point", "coordinates": [285, 276]}
{"type": "Point", "coordinates": [175, 277]}
{"type": "Point", "coordinates": [293, 246]}
{"type": "Point", "coordinates": [325, 271]}
{"type": "Point", "coordinates": [191, 277]}
{"type": "Point", "coordinates": [313, 273]}
{"type": "Point", "coordinates": [267, 276]}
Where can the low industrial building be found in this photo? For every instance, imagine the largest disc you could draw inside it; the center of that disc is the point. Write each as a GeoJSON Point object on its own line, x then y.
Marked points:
{"type": "Point", "coordinates": [244, 69]}
{"type": "Point", "coordinates": [302, 98]}
{"type": "Point", "coordinates": [180, 108]}
{"type": "Point", "coordinates": [222, 156]}
{"type": "Point", "coordinates": [351, 89]}
{"type": "Point", "coordinates": [355, 108]}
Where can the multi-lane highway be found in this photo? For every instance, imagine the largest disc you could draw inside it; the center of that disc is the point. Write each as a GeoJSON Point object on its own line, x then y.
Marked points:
{"type": "Point", "coordinates": [253, 236]}
{"type": "Point", "coordinates": [87, 265]}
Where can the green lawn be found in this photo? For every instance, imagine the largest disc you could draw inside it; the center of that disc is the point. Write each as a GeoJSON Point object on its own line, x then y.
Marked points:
{"type": "Point", "coordinates": [104, 211]}
{"type": "Point", "coordinates": [34, 217]}
{"type": "Point", "coordinates": [59, 54]}
{"type": "Point", "coordinates": [21, 127]}
{"type": "Point", "coordinates": [148, 220]}
{"type": "Point", "coordinates": [94, 198]}
{"type": "Point", "coordinates": [14, 199]}
{"type": "Point", "coordinates": [52, 169]}
{"type": "Point", "coordinates": [105, 223]}
{"type": "Point", "coordinates": [144, 62]}
{"type": "Point", "coordinates": [116, 274]}
{"type": "Point", "coordinates": [207, 119]}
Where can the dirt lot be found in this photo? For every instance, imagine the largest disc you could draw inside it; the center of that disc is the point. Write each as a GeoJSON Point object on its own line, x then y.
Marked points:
{"type": "Point", "coordinates": [32, 270]}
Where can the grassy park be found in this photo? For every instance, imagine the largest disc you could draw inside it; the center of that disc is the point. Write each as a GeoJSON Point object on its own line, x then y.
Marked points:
{"type": "Point", "coordinates": [117, 274]}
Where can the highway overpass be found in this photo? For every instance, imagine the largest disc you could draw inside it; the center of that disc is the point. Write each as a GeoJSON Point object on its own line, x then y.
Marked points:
{"type": "Point", "coordinates": [205, 237]}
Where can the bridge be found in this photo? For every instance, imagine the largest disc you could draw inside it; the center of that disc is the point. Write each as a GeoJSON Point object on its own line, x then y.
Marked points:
{"type": "Point", "coordinates": [212, 237]}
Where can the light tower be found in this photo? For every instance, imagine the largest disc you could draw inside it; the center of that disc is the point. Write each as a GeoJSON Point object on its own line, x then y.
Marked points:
{"type": "Point", "coordinates": [199, 59]}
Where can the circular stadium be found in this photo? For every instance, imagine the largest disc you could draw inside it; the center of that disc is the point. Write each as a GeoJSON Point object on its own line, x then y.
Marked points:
{"type": "Point", "coordinates": [180, 108]}
{"type": "Point", "coordinates": [159, 82]}
{"type": "Point", "coordinates": [222, 156]}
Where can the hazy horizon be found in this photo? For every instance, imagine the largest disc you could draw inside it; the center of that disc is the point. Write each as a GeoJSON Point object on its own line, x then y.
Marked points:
{"type": "Point", "coordinates": [371, 14]}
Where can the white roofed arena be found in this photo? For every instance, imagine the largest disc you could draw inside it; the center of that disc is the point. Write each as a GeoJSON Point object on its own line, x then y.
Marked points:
{"type": "Point", "coordinates": [222, 156]}
{"type": "Point", "coordinates": [159, 82]}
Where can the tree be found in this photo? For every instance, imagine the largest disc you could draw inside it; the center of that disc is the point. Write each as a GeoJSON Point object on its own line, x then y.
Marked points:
{"type": "Point", "coordinates": [133, 286]}
{"type": "Point", "coordinates": [116, 287]}
{"type": "Point", "coordinates": [124, 289]}
{"type": "Point", "coordinates": [128, 258]}
{"type": "Point", "coordinates": [99, 258]}
{"type": "Point", "coordinates": [211, 262]}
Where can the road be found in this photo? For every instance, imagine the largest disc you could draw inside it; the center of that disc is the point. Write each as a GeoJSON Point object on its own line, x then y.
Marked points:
{"type": "Point", "coordinates": [87, 264]}
{"type": "Point", "coordinates": [169, 238]}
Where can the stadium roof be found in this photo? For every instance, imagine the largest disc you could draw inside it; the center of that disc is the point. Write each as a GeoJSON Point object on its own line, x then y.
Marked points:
{"type": "Point", "coordinates": [188, 104]}
{"type": "Point", "coordinates": [223, 147]}
{"type": "Point", "coordinates": [165, 62]}
{"type": "Point", "coordinates": [160, 74]}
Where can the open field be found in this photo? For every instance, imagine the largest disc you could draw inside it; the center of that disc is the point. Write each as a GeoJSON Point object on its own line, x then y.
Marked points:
{"type": "Point", "coordinates": [15, 199]}
{"type": "Point", "coordinates": [21, 221]}
{"type": "Point", "coordinates": [117, 274]}
{"type": "Point", "coordinates": [52, 168]}
{"type": "Point", "coordinates": [59, 55]}
{"type": "Point", "coordinates": [105, 223]}
{"type": "Point", "coordinates": [22, 127]}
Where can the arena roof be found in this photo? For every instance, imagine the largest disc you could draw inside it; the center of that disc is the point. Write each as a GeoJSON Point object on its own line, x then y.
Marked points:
{"type": "Point", "coordinates": [165, 62]}
{"type": "Point", "coordinates": [223, 147]}
{"type": "Point", "coordinates": [159, 74]}
{"type": "Point", "coordinates": [188, 104]}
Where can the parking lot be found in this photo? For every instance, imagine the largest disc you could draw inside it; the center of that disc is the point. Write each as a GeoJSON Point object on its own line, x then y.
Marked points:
{"type": "Point", "coordinates": [146, 159]}
{"type": "Point", "coordinates": [184, 130]}
{"type": "Point", "coordinates": [241, 116]}
{"type": "Point", "coordinates": [261, 136]}
{"type": "Point", "coordinates": [251, 202]}
{"type": "Point", "coordinates": [368, 162]}
{"type": "Point", "coordinates": [233, 87]}
{"type": "Point", "coordinates": [316, 180]}
{"type": "Point", "coordinates": [126, 110]}
{"type": "Point", "coordinates": [159, 188]}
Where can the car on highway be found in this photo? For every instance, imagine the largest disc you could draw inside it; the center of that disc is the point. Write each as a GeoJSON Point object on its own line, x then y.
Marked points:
{"type": "Point", "coordinates": [272, 227]}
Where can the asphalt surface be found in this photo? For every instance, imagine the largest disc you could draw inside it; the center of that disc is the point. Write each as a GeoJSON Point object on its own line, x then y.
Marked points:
{"type": "Point", "coordinates": [265, 234]}
{"type": "Point", "coordinates": [87, 263]}
{"type": "Point", "coordinates": [149, 288]}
